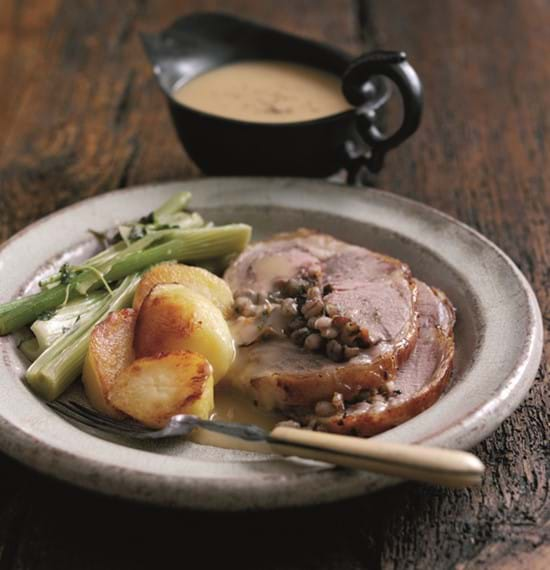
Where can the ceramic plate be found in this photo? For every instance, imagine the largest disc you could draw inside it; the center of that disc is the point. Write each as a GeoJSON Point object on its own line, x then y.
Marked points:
{"type": "Point", "coordinates": [498, 338]}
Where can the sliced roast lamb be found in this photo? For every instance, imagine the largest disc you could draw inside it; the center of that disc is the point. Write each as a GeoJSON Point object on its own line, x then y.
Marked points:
{"type": "Point", "coordinates": [316, 317]}
{"type": "Point", "coordinates": [417, 385]}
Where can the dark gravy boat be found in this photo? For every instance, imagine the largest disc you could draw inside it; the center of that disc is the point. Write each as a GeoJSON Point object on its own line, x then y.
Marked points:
{"type": "Point", "coordinates": [317, 148]}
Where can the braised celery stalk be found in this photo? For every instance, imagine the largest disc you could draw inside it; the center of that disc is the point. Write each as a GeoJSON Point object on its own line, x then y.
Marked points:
{"type": "Point", "coordinates": [58, 288]}
{"type": "Point", "coordinates": [189, 245]}
{"type": "Point", "coordinates": [48, 330]}
{"type": "Point", "coordinates": [29, 347]}
{"type": "Point", "coordinates": [21, 312]}
{"type": "Point", "coordinates": [135, 237]}
{"type": "Point", "coordinates": [61, 363]}
{"type": "Point", "coordinates": [176, 203]}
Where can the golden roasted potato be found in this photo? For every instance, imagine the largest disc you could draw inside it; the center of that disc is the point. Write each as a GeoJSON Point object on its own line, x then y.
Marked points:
{"type": "Point", "coordinates": [110, 351]}
{"type": "Point", "coordinates": [196, 278]}
{"type": "Point", "coordinates": [155, 388]}
{"type": "Point", "coordinates": [174, 317]}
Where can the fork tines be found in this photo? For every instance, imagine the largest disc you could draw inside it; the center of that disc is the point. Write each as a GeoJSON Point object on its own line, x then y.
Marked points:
{"type": "Point", "coordinates": [79, 413]}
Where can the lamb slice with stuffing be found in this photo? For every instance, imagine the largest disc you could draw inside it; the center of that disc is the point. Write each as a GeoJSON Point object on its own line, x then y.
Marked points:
{"type": "Point", "coordinates": [418, 384]}
{"type": "Point", "coordinates": [315, 317]}
{"type": "Point", "coordinates": [324, 326]}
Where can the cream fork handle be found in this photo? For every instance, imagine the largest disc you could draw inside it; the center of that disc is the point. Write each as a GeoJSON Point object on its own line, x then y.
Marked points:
{"type": "Point", "coordinates": [447, 467]}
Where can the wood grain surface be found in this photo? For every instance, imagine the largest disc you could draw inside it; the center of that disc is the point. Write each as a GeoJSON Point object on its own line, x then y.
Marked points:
{"type": "Point", "coordinates": [80, 114]}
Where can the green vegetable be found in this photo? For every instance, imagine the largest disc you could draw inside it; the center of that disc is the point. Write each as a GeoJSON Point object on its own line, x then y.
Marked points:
{"type": "Point", "coordinates": [64, 319]}
{"type": "Point", "coordinates": [29, 347]}
{"type": "Point", "coordinates": [61, 363]}
{"type": "Point", "coordinates": [185, 245]}
{"type": "Point", "coordinates": [173, 205]}
{"type": "Point", "coordinates": [21, 312]}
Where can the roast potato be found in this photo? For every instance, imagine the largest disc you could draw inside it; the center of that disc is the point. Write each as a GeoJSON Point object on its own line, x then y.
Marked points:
{"type": "Point", "coordinates": [174, 317]}
{"type": "Point", "coordinates": [109, 352]}
{"type": "Point", "coordinates": [196, 278]}
{"type": "Point", "coordinates": [155, 388]}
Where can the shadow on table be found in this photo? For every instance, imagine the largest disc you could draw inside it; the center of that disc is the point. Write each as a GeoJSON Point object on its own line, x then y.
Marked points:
{"type": "Point", "coordinates": [53, 525]}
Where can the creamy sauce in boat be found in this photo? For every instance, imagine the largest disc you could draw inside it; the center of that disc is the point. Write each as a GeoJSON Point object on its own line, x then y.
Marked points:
{"type": "Point", "coordinates": [265, 92]}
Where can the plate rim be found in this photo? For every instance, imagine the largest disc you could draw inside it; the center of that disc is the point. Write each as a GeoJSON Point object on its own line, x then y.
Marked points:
{"type": "Point", "coordinates": [343, 484]}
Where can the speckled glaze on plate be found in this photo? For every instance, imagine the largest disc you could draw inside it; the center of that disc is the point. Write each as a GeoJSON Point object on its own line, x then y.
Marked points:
{"type": "Point", "coordinates": [498, 336]}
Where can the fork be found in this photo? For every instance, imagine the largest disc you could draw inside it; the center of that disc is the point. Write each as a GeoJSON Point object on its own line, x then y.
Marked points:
{"type": "Point", "coordinates": [448, 467]}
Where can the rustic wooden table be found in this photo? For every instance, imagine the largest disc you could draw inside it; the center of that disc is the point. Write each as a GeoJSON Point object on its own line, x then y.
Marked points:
{"type": "Point", "coordinates": [81, 114]}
